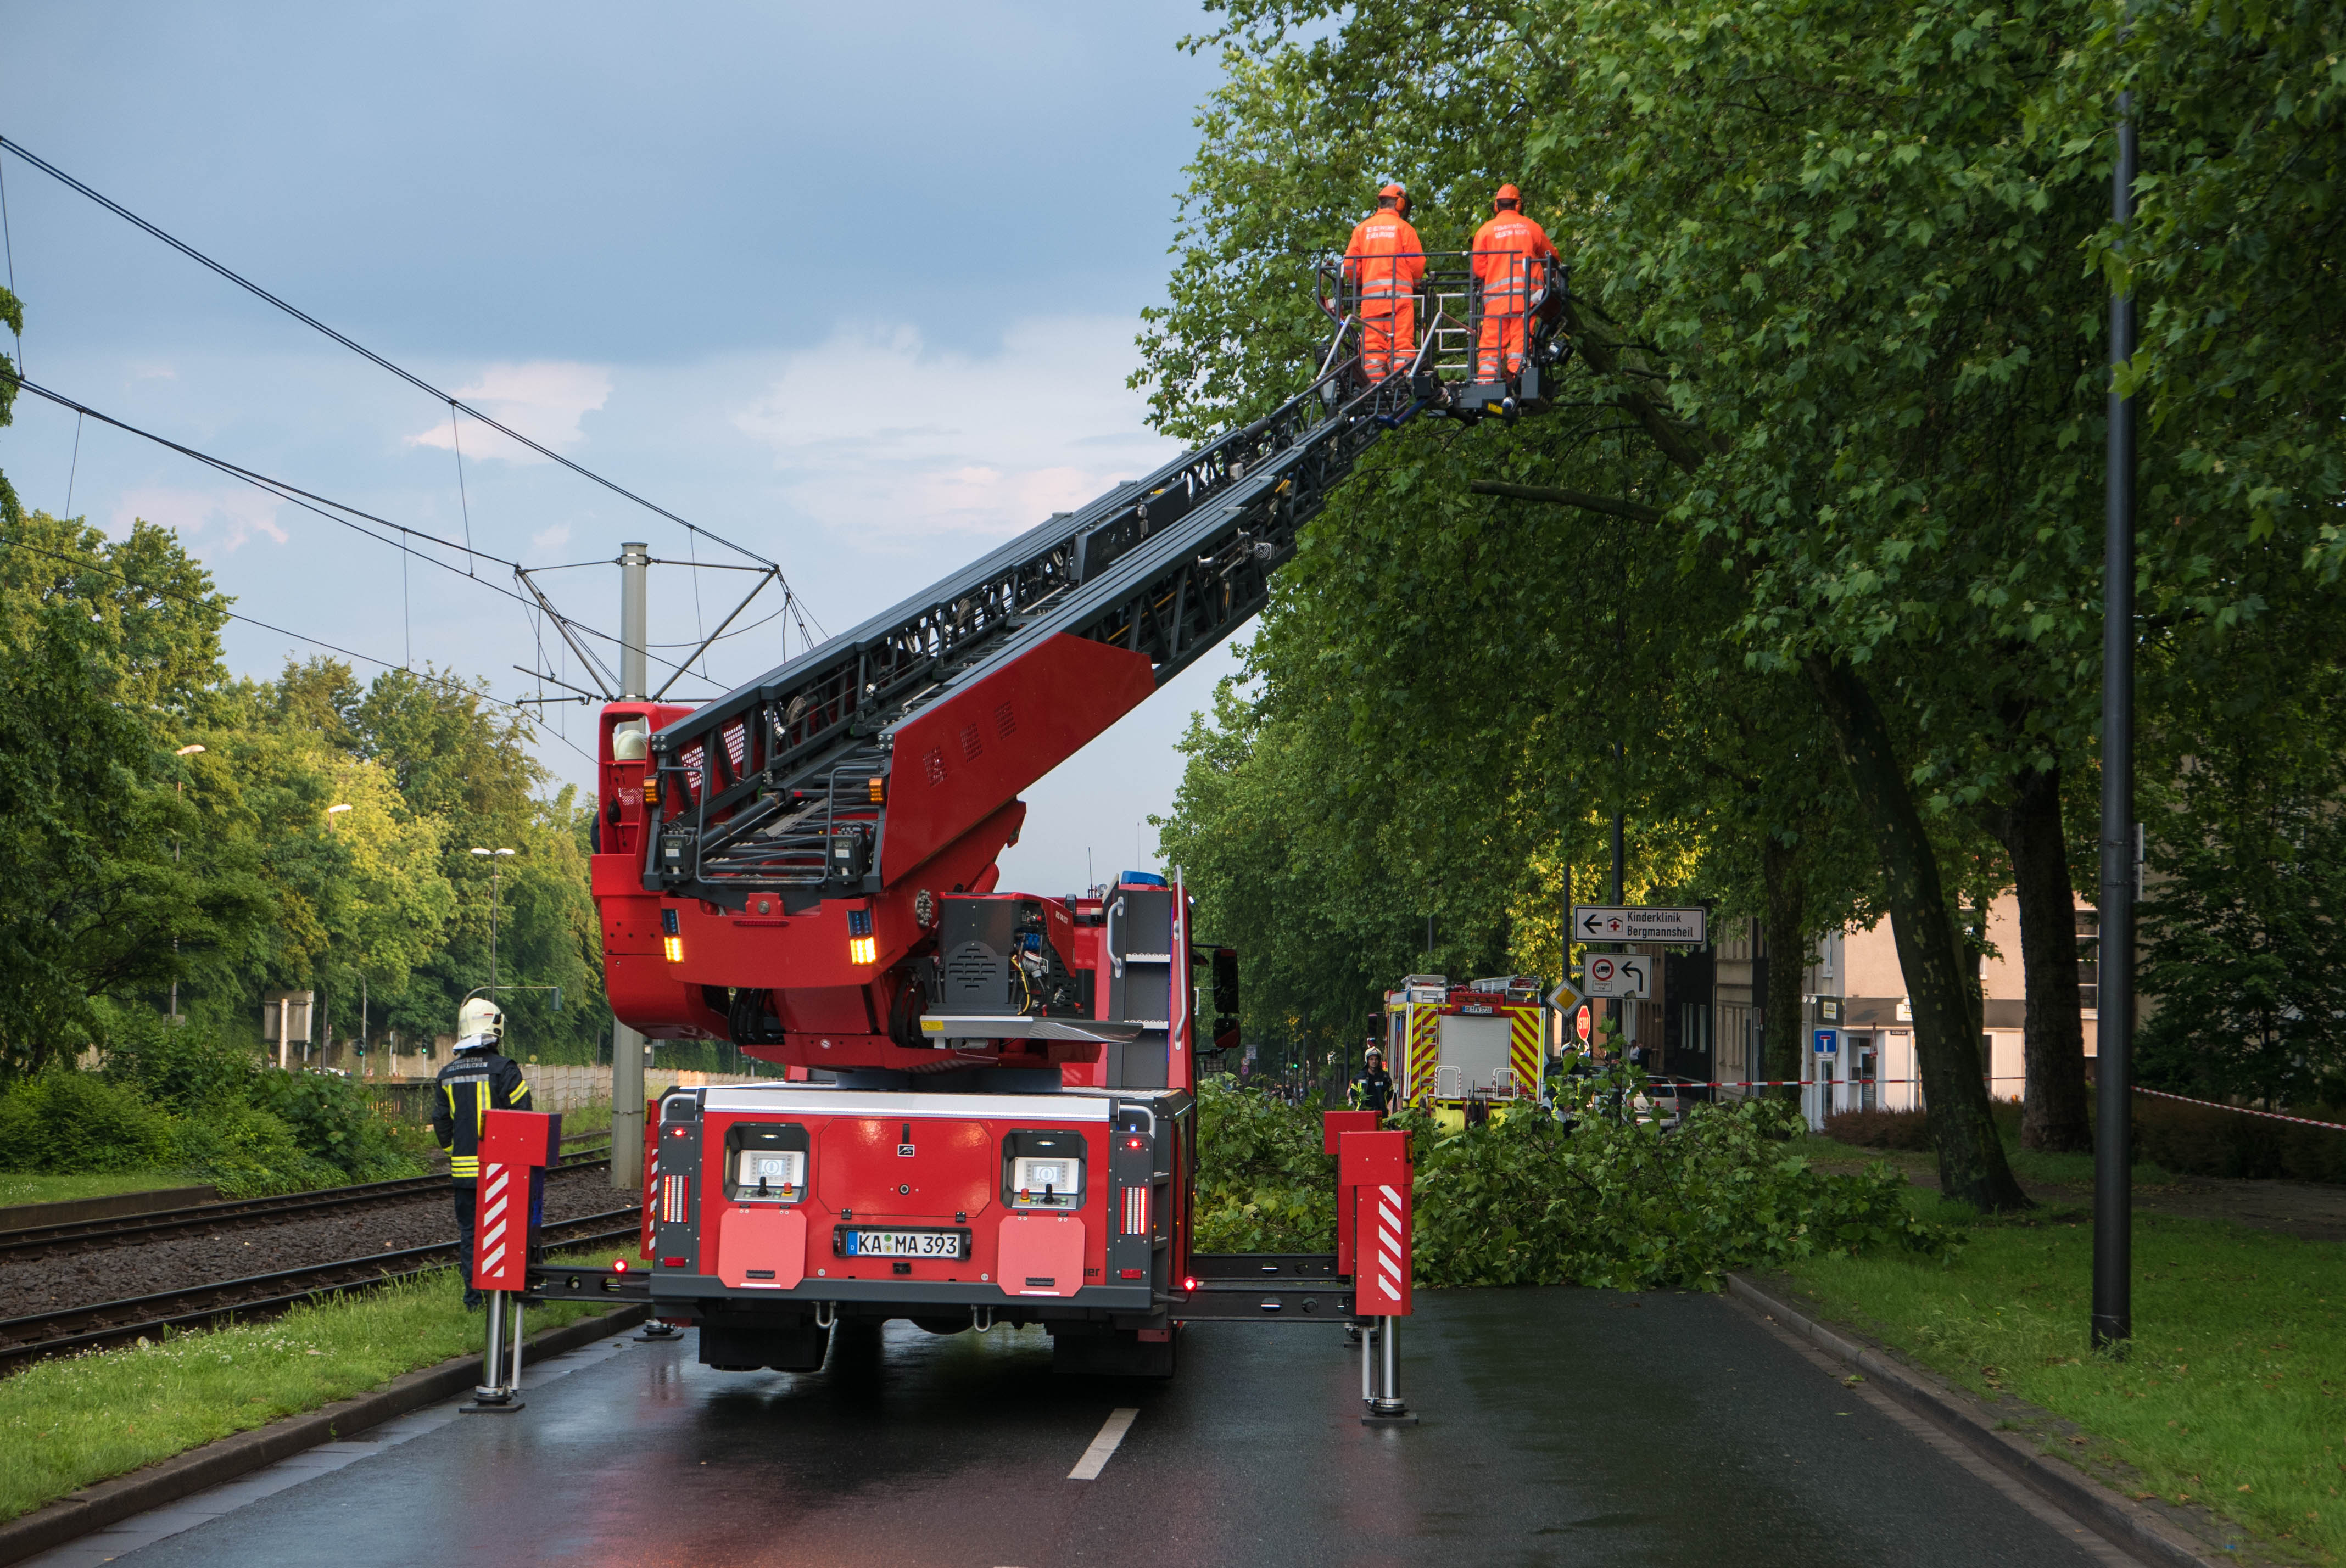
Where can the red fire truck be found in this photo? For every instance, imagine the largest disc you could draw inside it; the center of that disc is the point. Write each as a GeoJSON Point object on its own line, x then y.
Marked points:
{"type": "Point", "coordinates": [997, 1122]}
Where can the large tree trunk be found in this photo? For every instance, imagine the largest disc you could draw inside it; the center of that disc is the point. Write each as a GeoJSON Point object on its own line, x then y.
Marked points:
{"type": "Point", "coordinates": [1971, 1165]}
{"type": "Point", "coordinates": [2054, 1107]}
{"type": "Point", "coordinates": [1779, 1025]}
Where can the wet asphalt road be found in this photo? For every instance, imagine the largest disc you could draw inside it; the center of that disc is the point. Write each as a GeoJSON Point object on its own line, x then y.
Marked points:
{"type": "Point", "coordinates": [1560, 1427]}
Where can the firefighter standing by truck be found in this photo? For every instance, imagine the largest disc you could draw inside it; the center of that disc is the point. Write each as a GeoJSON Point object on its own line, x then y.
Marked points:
{"type": "Point", "coordinates": [1376, 1083]}
{"type": "Point", "coordinates": [478, 1081]}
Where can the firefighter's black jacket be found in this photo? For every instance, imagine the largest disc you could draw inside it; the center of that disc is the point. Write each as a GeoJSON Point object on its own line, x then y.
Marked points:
{"type": "Point", "coordinates": [1376, 1090]}
{"type": "Point", "coordinates": [473, 1085]}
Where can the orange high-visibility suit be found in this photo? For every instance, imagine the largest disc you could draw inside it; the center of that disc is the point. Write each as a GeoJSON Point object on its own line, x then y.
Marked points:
{"type": "Point", "coordinates": [1386, 259]}
{"type": "Point", "coordinates": [1507, 252]}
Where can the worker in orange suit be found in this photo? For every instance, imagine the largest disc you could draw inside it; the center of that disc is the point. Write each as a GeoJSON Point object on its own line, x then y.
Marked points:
{"type": "Point", "coordinates": [1507, 252]}
{"type": "Point", "coordinates": [1384, 260]}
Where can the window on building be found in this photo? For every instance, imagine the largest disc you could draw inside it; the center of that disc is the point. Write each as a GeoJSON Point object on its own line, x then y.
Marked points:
{"type": "Point", "coordinates": [2089, 956]}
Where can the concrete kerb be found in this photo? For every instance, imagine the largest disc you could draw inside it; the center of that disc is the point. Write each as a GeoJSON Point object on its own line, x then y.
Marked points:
{"type": "Point", "coordinates": [168, 1481]}
{"type": "Point", "coordinates": [2117, 1518]}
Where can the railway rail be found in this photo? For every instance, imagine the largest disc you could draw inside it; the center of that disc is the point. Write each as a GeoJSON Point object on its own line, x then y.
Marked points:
{"type": "Point", "coordinates": [69, 1332]}
{"type": "Point", "coordinates": [97, 1235]}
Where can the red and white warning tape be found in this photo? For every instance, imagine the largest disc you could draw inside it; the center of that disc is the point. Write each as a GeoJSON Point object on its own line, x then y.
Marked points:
{"type": "Point", "coordinates": [2243, 1110]}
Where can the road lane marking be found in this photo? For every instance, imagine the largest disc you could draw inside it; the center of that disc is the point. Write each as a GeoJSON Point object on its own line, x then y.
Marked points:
{"type": "Point", "coordinates": [1095, 1457]}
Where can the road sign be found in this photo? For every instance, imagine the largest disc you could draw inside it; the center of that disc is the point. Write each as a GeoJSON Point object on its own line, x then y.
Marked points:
{"type": "Point", "coordinates": [1828, 1041]}
{"type": "Point", "coordinates": [1564, 997]}
{"type": "Point", "coordinates": [1617, 974]}
{"type": "Point", "coordinates": [1584, 1021]}
{"type": "Point", "coordinates": [1638, 923]}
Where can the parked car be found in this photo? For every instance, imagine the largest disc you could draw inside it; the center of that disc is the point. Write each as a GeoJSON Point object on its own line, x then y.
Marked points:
{"type": "Point", "coordinates": [1660, 1103]}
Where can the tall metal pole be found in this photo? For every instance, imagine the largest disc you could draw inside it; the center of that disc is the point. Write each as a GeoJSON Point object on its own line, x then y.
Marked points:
{"type": "Point", "coordinates": [634, 683]}
{"type": "Point", "coordinates": [627, 1046]}
{"type": "Point", "coordinates": [2114, 1049]}
{"type": "Point", "coordinates": [1620, 1005]}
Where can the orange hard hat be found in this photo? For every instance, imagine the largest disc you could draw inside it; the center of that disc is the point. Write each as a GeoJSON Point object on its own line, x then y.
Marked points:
{"type": "Point", "coordinates": [1508, 193]}
{"type": "Point", "coordinates": [1392, 189]}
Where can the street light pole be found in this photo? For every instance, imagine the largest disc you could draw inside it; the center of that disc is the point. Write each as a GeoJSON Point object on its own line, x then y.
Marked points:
{"type": "Point", "coordinates": [495, 864]}
{"type": "Point", "coordinates": [326, 980]}
{"type": "Point", "coordinates": [178, 788]}
{"type": "Point", "coordinates": [2113, 1319]}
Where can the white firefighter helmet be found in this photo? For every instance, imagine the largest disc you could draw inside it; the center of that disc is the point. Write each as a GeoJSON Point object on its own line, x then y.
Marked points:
{"type": "Point", "coordinates": [480, 1023]}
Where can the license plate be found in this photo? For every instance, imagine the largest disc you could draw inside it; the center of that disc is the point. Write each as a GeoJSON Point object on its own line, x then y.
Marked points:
{"type": "Point", "coordinates": [949, 1243]}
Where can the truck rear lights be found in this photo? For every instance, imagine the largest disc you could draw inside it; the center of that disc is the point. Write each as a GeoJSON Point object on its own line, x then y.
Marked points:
{"type": "Point", "coordinates": [672, 947]}
{"type": "Point", "coordinates": [675, 1200]}
{"type": "Point", "coordinates": [876, 790]}
{"type": "Point", "coordinates": [1132, 1274]}
{"type": "Point", "coordinates": [1135, 1211]}
{"type": "Point", "coordinates": [1135, 1142]}
{"type": "Point", "coordinates": [668, 922]}
{"type": "Point", "coordinates": [862, 949]}
{"type": "Point", "coordinates": [671, 1263]}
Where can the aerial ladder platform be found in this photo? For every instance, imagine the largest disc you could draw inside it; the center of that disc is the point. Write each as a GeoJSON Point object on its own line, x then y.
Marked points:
{"type": "Point", "coordinates": [991, 1118]}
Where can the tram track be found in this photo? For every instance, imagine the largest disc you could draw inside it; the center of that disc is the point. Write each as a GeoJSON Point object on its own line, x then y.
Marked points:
{"type": "Point", "coordinates": [73, 1237]}
{"type": "Point", "coordinates": [76, 1329]}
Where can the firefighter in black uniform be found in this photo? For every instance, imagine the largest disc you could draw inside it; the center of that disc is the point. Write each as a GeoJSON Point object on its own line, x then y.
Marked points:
{"type": "Point", "coordinates": [478, 1081]}
{"type": "Point", "coordinates": [1376, 1083]}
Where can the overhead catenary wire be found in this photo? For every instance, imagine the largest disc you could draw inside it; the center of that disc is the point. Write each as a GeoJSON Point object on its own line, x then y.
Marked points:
{"type": "Point", "coordinates": [410, 377]}
{"type": "Point", "coordinates": [73, 469]}
{"type": "Point", "coordinates": [8, 243]}
{"type": "Point", "coordinates": [331, 510]}
{"type": "Point", "coordinates": [81, 563]}
{"type": "Point", "coordinates": [456, 443]}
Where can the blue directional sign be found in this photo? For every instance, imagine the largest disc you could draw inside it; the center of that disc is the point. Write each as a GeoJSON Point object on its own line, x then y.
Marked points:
{"type": "Point", "coordinates": [1828, 1041]}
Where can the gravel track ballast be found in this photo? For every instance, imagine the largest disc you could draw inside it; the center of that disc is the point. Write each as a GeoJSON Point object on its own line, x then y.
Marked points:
{"type": "Point", "coordinates": [182, 1262]}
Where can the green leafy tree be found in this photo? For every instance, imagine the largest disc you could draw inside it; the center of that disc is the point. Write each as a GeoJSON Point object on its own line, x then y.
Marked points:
{"type": "Point", "coordinates": [98, 651]}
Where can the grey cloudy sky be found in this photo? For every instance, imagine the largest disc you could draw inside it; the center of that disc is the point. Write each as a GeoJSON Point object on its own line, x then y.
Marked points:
{"type": "Point", "coordinates": [855, 286]}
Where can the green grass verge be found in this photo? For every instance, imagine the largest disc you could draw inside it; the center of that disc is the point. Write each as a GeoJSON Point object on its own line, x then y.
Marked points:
{"type": "Point", "coordinates": [66, 1424]}
{"type": "Point", "coordinates": [2030, 1165]}
{"type": "Point", "coordinates": [592, 1118]}
{"type": "Point", "coordinates": [2234, 1393]}
{"type": "Point", "coordinates": [28, 1187]}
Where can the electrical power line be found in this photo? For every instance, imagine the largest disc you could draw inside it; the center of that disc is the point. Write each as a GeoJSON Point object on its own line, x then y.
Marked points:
{"type": "Point", "coordinates": [294, 495]}
{"type": "Point", "coordinates": [411, 378]}
{"type": "Point", "coordinates": [8, 243]}
{"type": "Point", "coordinates": [332, 510]}
{"type": "Point", "coordinates": [81, 563]}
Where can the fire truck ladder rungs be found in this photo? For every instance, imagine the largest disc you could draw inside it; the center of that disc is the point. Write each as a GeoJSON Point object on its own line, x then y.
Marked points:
{"type": "Point", "coordinates": [1165, 566]}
